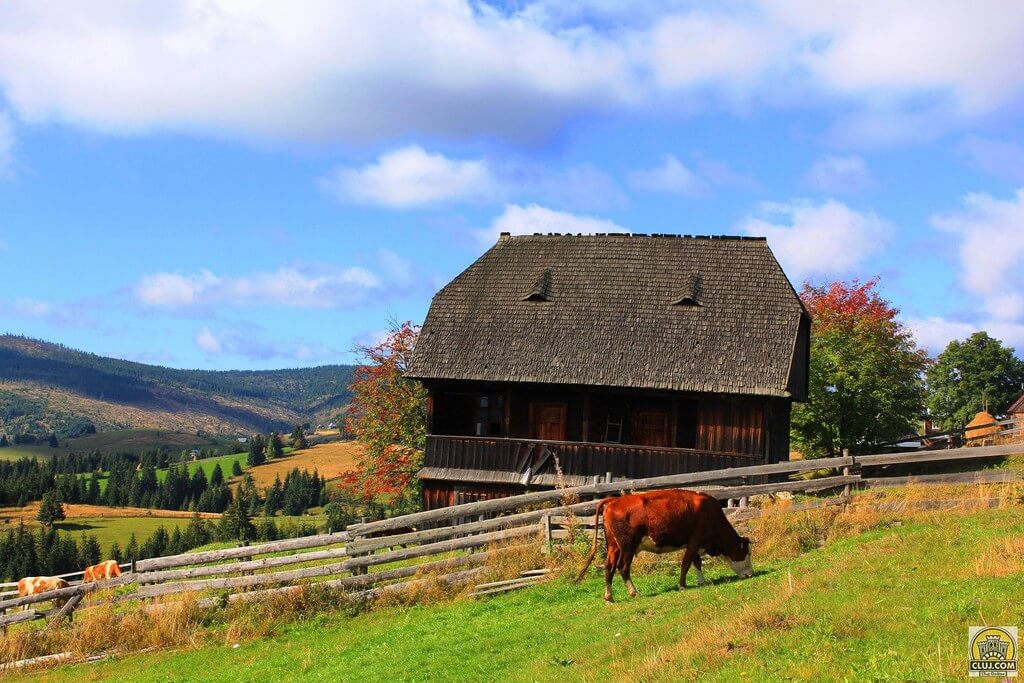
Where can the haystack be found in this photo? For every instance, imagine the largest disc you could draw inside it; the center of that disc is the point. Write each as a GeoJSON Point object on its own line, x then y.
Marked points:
{"type": "Point", "coordinates": [981, 427]}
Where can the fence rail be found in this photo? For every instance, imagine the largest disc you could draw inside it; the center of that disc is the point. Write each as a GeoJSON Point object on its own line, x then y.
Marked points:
{"type": "Point", "coordinates": [359, 559]}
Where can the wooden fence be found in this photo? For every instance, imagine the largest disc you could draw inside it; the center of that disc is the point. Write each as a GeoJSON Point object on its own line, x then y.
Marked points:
{"type": "Point", "coordinates": [366, 562]}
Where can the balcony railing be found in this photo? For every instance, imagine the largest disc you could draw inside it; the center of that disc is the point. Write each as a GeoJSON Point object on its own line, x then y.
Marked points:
{"type": "Point", "coordinates": [535, 460]}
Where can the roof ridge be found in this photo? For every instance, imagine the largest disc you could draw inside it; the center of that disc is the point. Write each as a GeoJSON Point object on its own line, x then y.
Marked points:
{"type": "Point", "coordinates": [738, 238]}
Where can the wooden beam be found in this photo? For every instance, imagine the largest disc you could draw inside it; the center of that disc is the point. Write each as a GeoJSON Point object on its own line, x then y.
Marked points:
{"type": "Point", "coordinates": [967, 453]}
{"type": "Point", "coordinates": [247, 551]}
{"type": "Point", "coordinates": [213, 570]}
{"type": "Point", "coordinates": [66, 610]}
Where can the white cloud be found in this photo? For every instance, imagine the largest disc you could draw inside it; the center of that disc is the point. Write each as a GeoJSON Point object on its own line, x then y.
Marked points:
{"type": "Point", "coordinates": [56, 314]}
{"type": "Point", "coordinates": [526, 220]}
{"type": "Point", "coordinates": [997, 157]}
{"type": "Point", "coordinates": [935, 332]}
{"type": "Point", "coordinates": [840, 174]}
{"type": "Point", "coordinates": [670, 176]}
{"type": "Point", "coordinates": [289, 286]}
{"type": "Point", "coordinates": [252, 342]}
{"type": "Point", "coordinates": [6, 150]}
{"type": "Point", "coordinates": [460, 69]}
{"type": "Point", "coordinates": [208, 342]}
{"type": "Point", "coordinates": [826, 239]}
{"type": "Point", "coordinates": [991, 246]}
{"type": "Point", "coordinates": [411, 177]}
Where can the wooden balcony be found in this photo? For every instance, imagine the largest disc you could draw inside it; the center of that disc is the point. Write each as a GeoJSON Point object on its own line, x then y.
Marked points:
{"type": "Point", "coordinates": [531, 462]}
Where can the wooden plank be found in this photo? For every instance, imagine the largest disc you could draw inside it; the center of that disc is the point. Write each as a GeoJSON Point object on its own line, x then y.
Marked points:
{"type": "Point", "coordinates": [508, 582]}
{"type": "Point", "coordinates": [983, 477]}
{"type": "Point", "coordinates": [18, 617]}
{"type": "Point", "coordinates": [505, 589]}
{"type": "Point", "coordinates": [246, 551]}
{"type": "Point", "coordinates": [155, 590]}
{"type": "Point", "coordinates": [442, 546]}
{"type": "Point", "coordinates": [966, 453]}
{"type": "Point", "coordinates": [227, 568]}
{"type": "Point", "coordinates": [364, 580]}
{"type": "Point", "coordinates": [539, 497]}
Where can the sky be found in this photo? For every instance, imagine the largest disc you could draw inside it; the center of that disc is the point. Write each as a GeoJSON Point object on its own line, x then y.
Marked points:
{"type": "Point", "coordinates": [252, 184]}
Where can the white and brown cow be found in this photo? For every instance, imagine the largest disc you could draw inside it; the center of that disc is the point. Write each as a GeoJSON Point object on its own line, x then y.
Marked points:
{"type": "Point", "coordinates": [665, 522]}
{"type": "Point", "coordinates": [33, 585]}
{"type": "Point", "coordinates": [104, 570]}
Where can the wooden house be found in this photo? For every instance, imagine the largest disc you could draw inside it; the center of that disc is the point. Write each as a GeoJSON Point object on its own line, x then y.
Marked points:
{"type": "Point", "coordinates": [563, 358]}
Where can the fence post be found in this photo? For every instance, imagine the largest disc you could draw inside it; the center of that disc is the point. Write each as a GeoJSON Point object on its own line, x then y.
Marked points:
{"type": "Point", "coordinates": [547, 533]}
{"type": "Point", "coordinates": [846, 472]}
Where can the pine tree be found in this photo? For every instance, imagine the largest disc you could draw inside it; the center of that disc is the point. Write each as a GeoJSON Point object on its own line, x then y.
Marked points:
{"type": "Point", "coordinates": [236, 469]}
{"type": "Point", "coordinates": [4, 443]}
{"type": "Point", "coordinates": [276, 446]}
{"type": "Point", "coordinates": [115, 552]}
{"type": "Point", "coordinates": [90, 551]}
{"type": "Point", "coordinates": [52, 442]}
{"type": "Point", "coordinates": [235, 523]}
{"type": "Point", "coordinates": [217, 476]}
{"type": "Point", "coordinates": [257, 451]}
{"type": "Point", "coordinates": [299, 438]}
{"type": "Point", "coordinates": [50, 509]}
{"type": "Point", "coordinates": [131, 551]}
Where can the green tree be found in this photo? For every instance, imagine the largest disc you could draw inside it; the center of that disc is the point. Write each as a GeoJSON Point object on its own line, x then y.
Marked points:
{"type": "Point", "coordinates": [235, 523]}
{"type": "Point", "coordinates": [217, 475]}
{"type": "Point", "coordinates": [4, 443]}
{"type": "Point", "coordinates": [236, 469]}
{"type": "Point", "coordinates": [52, 442]}
{"type": "Point", "coordinates": [865, 374]}
{"type": "Point", "coordinates": [257, 451]}
{"type": "Point", "coordinates": [970, 375]}
{"type": "Point", "coordinates": [337, 517]}
{"type": "Point", "coordinates": [275, 445]}
{"type": "Point", "coordinates": [51, 509]}
{"type": "Point", "coordinates": [90, 552]}
{"type": "Point", "coordinates": [299, 438]}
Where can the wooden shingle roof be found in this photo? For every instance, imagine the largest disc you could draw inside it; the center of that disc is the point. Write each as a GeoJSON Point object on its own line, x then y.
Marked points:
{"type": "Point", "coordinates": [695, 314]}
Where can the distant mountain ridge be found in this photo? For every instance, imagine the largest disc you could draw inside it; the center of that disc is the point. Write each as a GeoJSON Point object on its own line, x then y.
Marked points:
{"type": "Point", "coordinates": [46, 387]}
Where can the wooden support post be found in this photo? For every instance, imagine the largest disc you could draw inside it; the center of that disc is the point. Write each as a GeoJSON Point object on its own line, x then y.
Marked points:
{"type": "Point", "coordinates": [846, 487]}
{"type": "Point", "coordinates": [66, 610]}
{"type": "Point", "coordinates": [547, 533]}
{"type": "Point", "coordinates": [608, 477]}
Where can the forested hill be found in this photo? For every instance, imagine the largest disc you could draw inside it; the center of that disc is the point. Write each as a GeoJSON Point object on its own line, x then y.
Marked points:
{"type": "Point", "coordinates": [46, 388]}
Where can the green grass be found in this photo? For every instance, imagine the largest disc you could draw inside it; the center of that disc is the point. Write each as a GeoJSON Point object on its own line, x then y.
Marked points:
{"type": "Point", "coordinates": [110, 529]}
{"type": "Point", "coordinates": [891, 604]}
{"type": "Point", "coordinates": [207, 465]}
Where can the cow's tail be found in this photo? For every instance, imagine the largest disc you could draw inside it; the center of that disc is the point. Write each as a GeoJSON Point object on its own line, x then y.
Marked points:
{"type": "Point", "coordinates": [593, 548]}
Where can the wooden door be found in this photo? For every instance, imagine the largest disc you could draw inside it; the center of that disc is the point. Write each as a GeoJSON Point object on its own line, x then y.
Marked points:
{"type": "Point", "coordinates": [547, 421]}
{"type": "Point", "coordinates": [650, 428]}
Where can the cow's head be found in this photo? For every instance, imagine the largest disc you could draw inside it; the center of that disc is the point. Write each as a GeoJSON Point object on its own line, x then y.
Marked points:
{"type": "Point", "coordinates": [739, 559]}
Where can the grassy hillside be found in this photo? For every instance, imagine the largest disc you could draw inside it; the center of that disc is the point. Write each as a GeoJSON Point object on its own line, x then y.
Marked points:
{"type": "Point", "coordinates": [120, 441]}
{"type": "Point", "coordinates": [892, 601]}
{"type": "Point", "coordinates": [49, 388]}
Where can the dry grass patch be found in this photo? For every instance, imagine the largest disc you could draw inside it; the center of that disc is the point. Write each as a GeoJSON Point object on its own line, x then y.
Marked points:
{"type": "Point", "coordinates": [1003, 557]}
{"type": "Point", "coordinates": [329, 459]}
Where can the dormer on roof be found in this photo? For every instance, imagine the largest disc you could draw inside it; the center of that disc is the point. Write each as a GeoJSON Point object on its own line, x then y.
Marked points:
{"type": "Point", "coordinates": [689, 295]}
{"type": "Point", "coordinates": [541, 290]}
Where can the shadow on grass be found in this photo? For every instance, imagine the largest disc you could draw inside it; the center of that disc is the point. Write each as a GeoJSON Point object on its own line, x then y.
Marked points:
{"type": "Point", "coordinates": [74, 526]}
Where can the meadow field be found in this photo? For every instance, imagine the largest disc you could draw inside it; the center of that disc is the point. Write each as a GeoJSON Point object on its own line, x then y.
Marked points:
{"type": "Point", "coordinates": [108, 524]}
{"type": "Point", "coordinates": [854, 596]}
{"type": "Point", "coordinates": [124, 440]}
{"type": "Point", "coordinates": [329, 459]}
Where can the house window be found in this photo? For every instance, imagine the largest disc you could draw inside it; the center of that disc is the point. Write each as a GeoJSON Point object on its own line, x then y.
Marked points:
{"type": "Point", "coordinates": [490, 414]}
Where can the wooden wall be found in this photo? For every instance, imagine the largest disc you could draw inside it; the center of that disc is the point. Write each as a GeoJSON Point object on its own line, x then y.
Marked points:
{"type": "Point", "coordinates": [731, 425]}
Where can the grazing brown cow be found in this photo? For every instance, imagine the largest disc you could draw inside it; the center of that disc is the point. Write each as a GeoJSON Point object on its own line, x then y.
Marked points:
{"type": "Point", "coordinates": [103, 570]}
{"type": "Point", "coordinates": [33, 585]}
{"type": "Point", "coordinates": [664, 522]}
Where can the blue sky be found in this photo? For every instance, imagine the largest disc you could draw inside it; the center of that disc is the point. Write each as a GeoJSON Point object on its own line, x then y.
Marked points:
{"type": "Point", "coordinates": [249, 185]}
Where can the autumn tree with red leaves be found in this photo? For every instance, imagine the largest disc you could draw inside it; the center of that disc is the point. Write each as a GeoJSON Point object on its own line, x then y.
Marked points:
{"type": "Point", "coordinates": [866, 372]}
{"type": "Point", "coordinates": [387, 414]}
